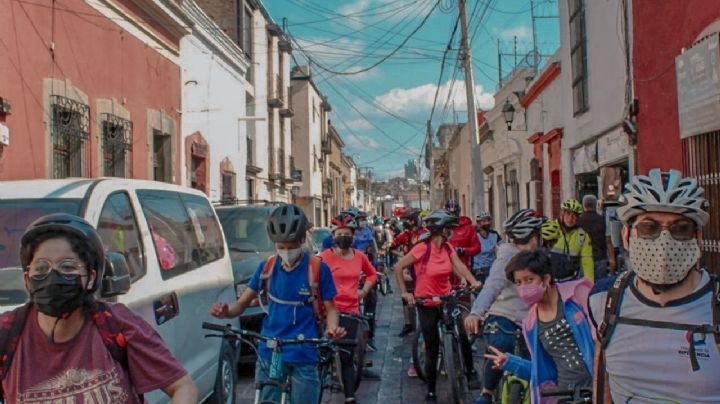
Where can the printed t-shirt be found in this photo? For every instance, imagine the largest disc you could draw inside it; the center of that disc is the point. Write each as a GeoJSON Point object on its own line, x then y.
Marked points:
{"type": "Point", "coordinates": [289, 321]}
{"type": "Point", "coordinates": [346, 274]}
{"type": "Point", "coordinates": [558, 341]}
{"type": "Point", "coordinates": [82, 370]}
{"type": "Point", "coordinates": [433, 278]}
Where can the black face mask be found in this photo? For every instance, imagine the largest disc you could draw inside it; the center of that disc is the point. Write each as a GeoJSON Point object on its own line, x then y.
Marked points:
{"type": "Point", "coordinates": [343, 242]}
{"type": "Point", "coordinates": [57, 295]}
{"type": "Point", "coordinates": [408, 225]}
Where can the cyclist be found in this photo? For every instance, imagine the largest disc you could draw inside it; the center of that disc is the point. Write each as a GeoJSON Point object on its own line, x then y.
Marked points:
{"type": "Point", "coordinates": [594, 225]}
{"type": "Point", "coordinates": [291, 310]}
{"type": "Point", "coordinates": [557, 329]}
{"type": "Point", "coordinates": [572, 253]}
{"type": "Point", "coordinates": [346, 265]}
{"type": "Point", "coordinates": [436, 261]}
{"type": "Point", "coordinates": [56, 343]}
{"type": "Point", "coordinates": [498, 303]}
{"type": "Point", "coordinates": [464, 238]}
{"type": "Point", "coordinates": [658, 323]}
{"type": "Point", "coordinates": [365, 242]}
{"type": "Point", "coordinates": [407, 239]}
{"type": "Point", "coordinates": [489, 241]}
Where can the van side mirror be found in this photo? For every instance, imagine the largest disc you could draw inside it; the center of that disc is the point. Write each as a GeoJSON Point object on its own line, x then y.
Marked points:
{"type": "Point", "coordinates": [116, 280]}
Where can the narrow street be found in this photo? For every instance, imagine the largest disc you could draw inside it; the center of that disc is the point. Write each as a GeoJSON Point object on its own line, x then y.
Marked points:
{"type": "Point", "coordinates": [391, 361]}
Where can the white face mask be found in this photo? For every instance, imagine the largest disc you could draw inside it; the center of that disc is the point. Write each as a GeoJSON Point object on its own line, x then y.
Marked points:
{"type": "Point", "coordinates": [663, 261]}
{"type": "Point", "coordinates": [290, 256]}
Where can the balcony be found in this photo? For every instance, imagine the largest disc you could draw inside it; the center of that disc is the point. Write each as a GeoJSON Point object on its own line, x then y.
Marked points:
{"type": "Point", "coordinates": [285, 46]}
{"type": "Point", "coordinates": [287, 113]}
{"type": "Point", "coordinates": [275, 102]}
{"type": "Point", "coordinates": [325, 105]}
{"type": "Point", "coordinates": [325, 147]}
{"type": "Point", "coordinates": [274, 29]}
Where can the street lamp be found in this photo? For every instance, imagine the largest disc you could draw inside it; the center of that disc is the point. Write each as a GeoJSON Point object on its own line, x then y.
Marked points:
{"type": "Point", "coordinates": [508, 111]}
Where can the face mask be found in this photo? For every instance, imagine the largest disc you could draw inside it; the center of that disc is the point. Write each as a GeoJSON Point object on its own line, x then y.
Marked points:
{"type": "Point", "coordinates": [57, 295]}
{"type": "Point", "coordinates": [532, 293]}
{"type": "Point", "coordinates": [663, 261]}
{"type": "Point", "coordinates": [362, 223]}
{"type": "Point", "coordinates": [343, 242]}
{"type": "Point", "coordinates": [291, 256]}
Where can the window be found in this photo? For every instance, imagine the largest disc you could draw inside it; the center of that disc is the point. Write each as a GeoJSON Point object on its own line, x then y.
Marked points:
{"type": "Point", "coordinates": [250, 129]}
{"type": "Point", "coordinates": [245, 229]}
{"type": "Point", "coordinates": [183, 229]}
{"type": "Point", "coordinates": [69, 131]}
{"type": "Point", "coordinates": [119, 232]}
{"type": "Point", "coordinates": [250, 183]}
{"type": "Point", "coordinates": [247, 41]}
{"type": "Point", "coordinates": [578, 56]}
{"type": "Point", "coordinates": [513, 192]}
{"type": "Point", "coordinates": [116, 145]}
{"type": "Point", "coordinates": [162, 156]}
{"type": "Point", "coordinates": [228, 184]}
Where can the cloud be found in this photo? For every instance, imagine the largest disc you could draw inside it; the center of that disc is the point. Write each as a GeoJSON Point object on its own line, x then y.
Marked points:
{"type": "Point", "coordinates": [359, 124]}
{"type": "Point", "coordinates": [521, 32]}
{"type": "Point", "coordinates": [361, 142]}
{"type": "Point", "coordinates": [417, 102]}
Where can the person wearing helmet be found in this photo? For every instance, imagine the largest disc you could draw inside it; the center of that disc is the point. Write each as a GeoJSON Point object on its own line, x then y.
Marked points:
{"type": "Point", "coordinates": [464, 237]}
{"type": "Point", "coordinates": [61, 354]}
{"type": "Point", "coordinates": [498, 304]}
{"type": "Point", "coordinates": [365, 243]}
{"type": "Point", "coordinates": [347, 265]}
{"type": "Point", "coordinates": [572, 253]}
{"type": "Point", "coordinates": [489, 241]}
{"type": "Point", "coordinates": [658, 324]}
{"type": "Point", "coordinates": [405, 242]}
{"type": "Point", "coordinates": [435, 262]}
{"type": "Point", "coordinates": [291, 311]}
{"type": "Point", "coordinates": [550, 232]}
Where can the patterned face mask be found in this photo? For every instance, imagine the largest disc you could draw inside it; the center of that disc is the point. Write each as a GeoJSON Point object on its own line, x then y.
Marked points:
{"type": "Point", "coordinates": [664, 260]}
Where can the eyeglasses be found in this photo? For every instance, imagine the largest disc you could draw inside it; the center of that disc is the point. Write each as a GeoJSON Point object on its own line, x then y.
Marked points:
{"type": "Point", "coordinates": [680, 230]}
{"type": "Point", "coordinates": [41, 268]}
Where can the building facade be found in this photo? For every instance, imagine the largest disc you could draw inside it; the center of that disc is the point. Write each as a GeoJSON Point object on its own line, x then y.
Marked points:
{"type": "Point", "coordinates": [91, 97]}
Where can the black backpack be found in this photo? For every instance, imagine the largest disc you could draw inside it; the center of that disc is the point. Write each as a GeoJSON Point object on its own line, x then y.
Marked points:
{"type": "Point", "coordinates": [12, 325]}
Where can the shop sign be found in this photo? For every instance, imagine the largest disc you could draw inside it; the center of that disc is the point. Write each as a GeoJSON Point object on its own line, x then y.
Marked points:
{"type": "Point", "coordinates": [697, 72]}
{"type": "Point", "coordinates": [585, 158]}
{"type": "Point", "coordinates": [612, 147]}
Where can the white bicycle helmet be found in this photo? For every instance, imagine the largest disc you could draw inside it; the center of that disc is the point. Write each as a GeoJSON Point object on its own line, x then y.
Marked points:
{"type": "Point", "coordinates": [483, 215]}
{"type": "Point", "coordinates": [523, 223]}
{"type": "Point", "coordinates": [665, 191]}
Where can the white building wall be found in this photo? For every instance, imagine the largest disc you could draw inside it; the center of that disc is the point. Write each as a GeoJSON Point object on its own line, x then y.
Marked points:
{"type": "Point", "coordinates": [213, 98]}
{"type": "Point", "coordinates": [260, 63]}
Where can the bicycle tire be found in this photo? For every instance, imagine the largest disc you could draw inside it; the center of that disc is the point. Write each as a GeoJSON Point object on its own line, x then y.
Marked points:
{"type": "Point", "coordinates": [515, 392]}
{"type": "Point", "coordinates": [418, 354]}
{"type": "Point", "coordinates": [359, 358]}
{"type": "Point", "coordinates": [455, 369]}
{"type": "Point", "coordinates": [383, 285]}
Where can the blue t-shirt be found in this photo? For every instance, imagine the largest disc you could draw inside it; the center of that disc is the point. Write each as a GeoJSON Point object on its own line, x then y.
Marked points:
{"type": "Point", "coordinates": [363, 238]}
{"type": "Point", "coordinates": [288, 321]}
{"type": "Point", "coordinates": [487, 254]}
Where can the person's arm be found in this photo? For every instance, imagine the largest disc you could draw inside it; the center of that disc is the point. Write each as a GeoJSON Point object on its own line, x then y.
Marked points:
{"type": "Point", "coordinates": [182, 391]}
{"type": "Point", "coordinates": [403, 263]}
{"type": "Point", "coordinates": [612, 259]}
{"type": "Point", "coordinates": [223, 310]}
{"type": "Point", "coordinates": [494, 285]}
{"type": "Point", "coordinates": [462, 271]}
{"type": "Point", "coordinates": [333, 329]}
{"type": "Point", "coordinates": [474, 248]}
{"type": "Point", "coordinates": [586, 259]}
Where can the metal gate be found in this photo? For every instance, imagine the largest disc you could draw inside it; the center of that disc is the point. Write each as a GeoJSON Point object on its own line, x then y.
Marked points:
{"type": "Point", "coordinates": [701, 159]}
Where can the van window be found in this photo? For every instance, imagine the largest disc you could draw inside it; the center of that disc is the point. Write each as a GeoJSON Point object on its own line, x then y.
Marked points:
{"type": "Point", "coordinates": [119, 232]}
{"type": "Point", "coordinates": [180, 243]}
{"type": "Point", "coordinates": [207, 229]}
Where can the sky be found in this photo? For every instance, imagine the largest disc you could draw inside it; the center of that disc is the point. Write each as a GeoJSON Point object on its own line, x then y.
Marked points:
{"type": "Point", "coordinates": [381, 112]}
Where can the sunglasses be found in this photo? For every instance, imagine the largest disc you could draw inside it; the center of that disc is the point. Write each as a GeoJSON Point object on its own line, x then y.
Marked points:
{"type": "Point", "coordinates": [680, 230]}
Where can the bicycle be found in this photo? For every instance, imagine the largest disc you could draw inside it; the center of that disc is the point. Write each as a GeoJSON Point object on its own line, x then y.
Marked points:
{"type": "Point", "coordinates": [569, 395]}
{"type": "Point", "coordinates": [328, 348]}
{"type": "Point", "coordinates": [382, 284]}
{"type": "Point", "coordinates": [451, 352]}
{"type": "Point", "coordinates": [512, 389]}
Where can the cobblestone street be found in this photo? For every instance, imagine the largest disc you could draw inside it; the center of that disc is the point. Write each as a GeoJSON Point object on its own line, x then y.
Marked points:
{"type": "Point", "coordinates": [391, 361]}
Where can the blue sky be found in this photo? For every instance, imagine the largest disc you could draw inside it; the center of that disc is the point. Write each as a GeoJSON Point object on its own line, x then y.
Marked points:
{"type": "Point", "coordinates": [382, 113]}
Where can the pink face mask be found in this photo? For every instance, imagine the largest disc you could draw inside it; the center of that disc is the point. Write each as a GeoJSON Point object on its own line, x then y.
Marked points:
{"type": "Point", "coordinates": [531, 293]}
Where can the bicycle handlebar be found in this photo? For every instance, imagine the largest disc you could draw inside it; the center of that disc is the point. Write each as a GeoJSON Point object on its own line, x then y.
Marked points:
{"type": "Point", "coordinates": [226, 329]}
{"type": "Point", "coordinates": [577, 394]}
{"type": "Point", "coordinates": [422, 300]}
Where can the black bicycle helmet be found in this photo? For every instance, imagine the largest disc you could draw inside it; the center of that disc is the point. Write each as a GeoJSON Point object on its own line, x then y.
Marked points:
{"type": "Point", "coordinates": [439, 219]}
{"type": "Point", "coordinates": [453, 207]}
{"type": "Point", "coordinates": [63, 223]}
{"type": "Point", "coordinates": [287, 224]}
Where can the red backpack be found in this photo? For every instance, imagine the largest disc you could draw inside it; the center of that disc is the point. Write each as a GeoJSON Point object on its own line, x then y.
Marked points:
{"type": "Point", "coordinates": [12, 325]}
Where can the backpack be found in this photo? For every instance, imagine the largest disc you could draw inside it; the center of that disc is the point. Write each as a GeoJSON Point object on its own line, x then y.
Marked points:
{"type": "Point", "coordinates": [314, 298]}
{"type": "Point", "coordinates": [564, 265]}
{"type": "Point", "coordinates": [612, 317]}
{"type": "Point", "coordinates": [101, 314]}
{"type": "Point", "coordinates": [426, 257]}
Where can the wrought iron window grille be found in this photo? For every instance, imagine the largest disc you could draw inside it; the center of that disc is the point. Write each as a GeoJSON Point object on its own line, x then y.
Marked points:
{"type": "Point", "coordinates": [69, 131]}
{"type": "Point", "coordinates": [117, 132]}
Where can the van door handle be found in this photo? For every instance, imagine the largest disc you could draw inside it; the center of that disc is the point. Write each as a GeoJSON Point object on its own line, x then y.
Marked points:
{"type": "Point", "coordinates": [166, 307]}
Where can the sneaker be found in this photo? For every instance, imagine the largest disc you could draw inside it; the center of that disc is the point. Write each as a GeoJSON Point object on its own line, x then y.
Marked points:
{"type": "Point", "coordinates": [484, 399]}
{"type": "Point", "coordinates": [371, 345]}
{"type": "Point", "coordinates": [431, 397]}
{"type": "Point", "coordinates": [370, 375]}
{"type": "Point", "coordinates": [474, 382]}
{"type": "Point", "coordinates": [406, 330]}
{"type": "Point", "coordinates": [411, 371]}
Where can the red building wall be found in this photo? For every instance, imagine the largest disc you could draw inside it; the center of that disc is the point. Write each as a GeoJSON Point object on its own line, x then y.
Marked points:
{"type": "Point", "coordinates": [99, 58]}
{"type": "Point", "coordinates": [660, 29]}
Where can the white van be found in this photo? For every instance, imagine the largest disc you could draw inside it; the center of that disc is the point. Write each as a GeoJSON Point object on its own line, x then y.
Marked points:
{"type": "Point", "coordinates": [175, 252]}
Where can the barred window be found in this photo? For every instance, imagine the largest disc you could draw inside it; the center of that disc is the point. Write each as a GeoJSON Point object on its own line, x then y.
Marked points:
{"type": "Point", "coordinates": [578, 55]}
{"type": "Point", "coordinates": [116, 145]}
{"type": "Point", "coordinates": [228, 185]}
{"type": "Point", "coordinates": [70, 131]}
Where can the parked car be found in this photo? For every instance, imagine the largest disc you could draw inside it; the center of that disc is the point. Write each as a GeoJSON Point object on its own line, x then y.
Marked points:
{"type": "Point", "coordinates": [167, 240]}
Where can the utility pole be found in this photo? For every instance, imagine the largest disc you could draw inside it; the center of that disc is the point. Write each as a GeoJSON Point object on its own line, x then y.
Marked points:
{"type": "Point", "coordinates": [466, 55]}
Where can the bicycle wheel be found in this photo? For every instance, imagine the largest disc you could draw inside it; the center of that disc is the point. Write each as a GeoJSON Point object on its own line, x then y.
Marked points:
{"type": "Point", "coordinates": [454, 368]}
{"type": "Point", "coordinates": [418, 354]}
{"type": "Point", "coordinates": [359, 358]}
{"type": "Point", "coordinates": [383, 284]}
